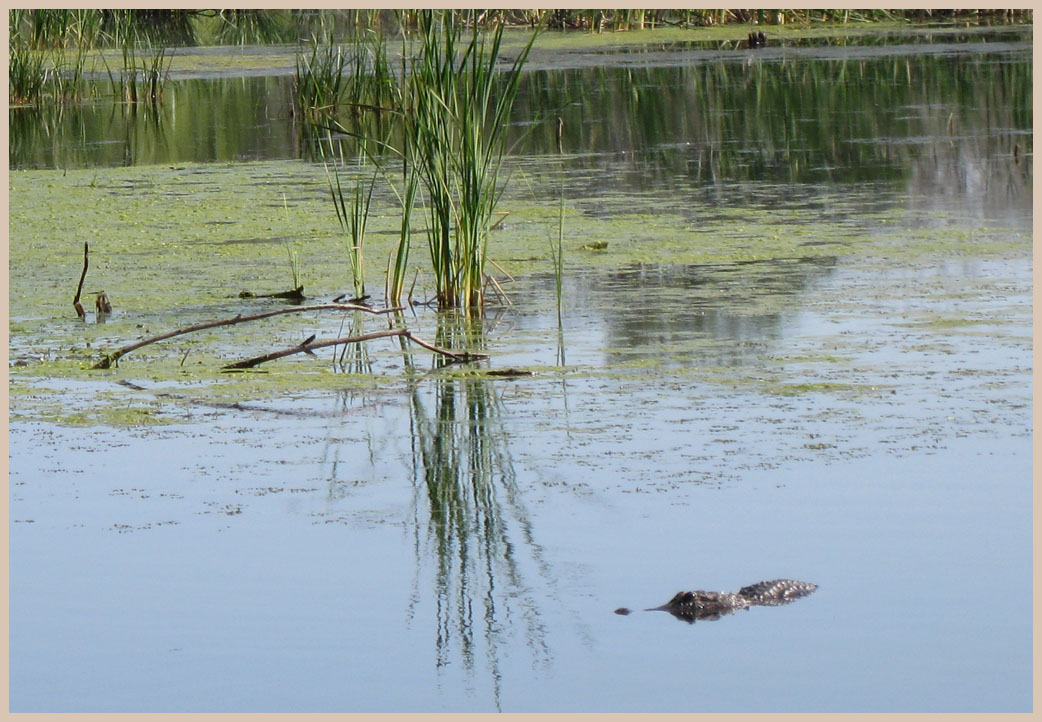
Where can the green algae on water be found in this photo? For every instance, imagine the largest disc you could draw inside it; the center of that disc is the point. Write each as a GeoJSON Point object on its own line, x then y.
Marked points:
{"type": "Point", "coordinates": [175, 245]}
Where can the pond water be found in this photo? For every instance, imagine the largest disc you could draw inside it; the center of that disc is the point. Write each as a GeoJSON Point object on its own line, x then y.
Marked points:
{"type": "Point", "coordinates": [805, 352]}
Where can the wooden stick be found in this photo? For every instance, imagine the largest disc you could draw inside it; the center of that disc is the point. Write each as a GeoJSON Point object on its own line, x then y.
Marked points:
{"type": "Point", "coordinates": [79, 288]}
{"type": "Point", "coordinates": [310, 345]}
{"type": "Point", "coordinates": [113, 358]}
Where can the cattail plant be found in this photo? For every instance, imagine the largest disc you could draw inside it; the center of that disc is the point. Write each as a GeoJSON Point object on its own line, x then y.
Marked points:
{"type": "Point", "coordinates": [456, 122]}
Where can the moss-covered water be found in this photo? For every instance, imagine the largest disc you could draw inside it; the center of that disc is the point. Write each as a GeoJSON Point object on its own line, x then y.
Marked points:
{"type": "Point", "coordinates": [793, 346]}
{"type": "Point", "coordinates": [175, 246]}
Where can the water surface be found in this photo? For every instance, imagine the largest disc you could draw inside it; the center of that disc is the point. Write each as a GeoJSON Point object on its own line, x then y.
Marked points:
{"type": "Point", "coordinates": [806, 352]}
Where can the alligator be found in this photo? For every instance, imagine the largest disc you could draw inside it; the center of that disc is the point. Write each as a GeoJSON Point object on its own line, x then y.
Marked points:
{"type": "Point", "coordinates": [701, 605]}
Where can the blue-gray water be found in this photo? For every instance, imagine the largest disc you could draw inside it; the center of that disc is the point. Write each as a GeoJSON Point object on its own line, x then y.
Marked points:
{"type": "Point", "coordinates": [459, 544]}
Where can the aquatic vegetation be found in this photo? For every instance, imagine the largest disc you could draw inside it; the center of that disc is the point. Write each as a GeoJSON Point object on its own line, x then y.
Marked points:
{"type": "Point", "coordinates": [332, 79]}
{"type": "Point", "coordinates": [353, 216]}
{"type": "Point", "coordinates": [26, 75]}
{"type": "Point", "coordinates": [55, 27]}
{"type": "Point", "coordinates": [142, 78]}
{"type": "Point", "coordinates": [455, 131]}
{"type": "Point", "coordinates": [639, 19]}
{"type": "Point", "coordinates": [94, 28]}
{"type": "Point", "coordinates": [319, 78]}
{"type": "Point", "coordinates": [242, 27]}
{"type": "Point", "coordinates": [396, 270]}
{"type": "Point", "coordinates": [58, 72]}
{"type": "Point", "coordinates": [557, 255]}
{"type": "Point", "coordinates": [34, 75]}
{"type": "Point", "coordinates": [150, 27]}
{"type": "Point", "coordinates": [452, 106]}
{"type": "Point", "coordinates": [293, 252]}
{"type": "Point", "coordinates": [372, 85]}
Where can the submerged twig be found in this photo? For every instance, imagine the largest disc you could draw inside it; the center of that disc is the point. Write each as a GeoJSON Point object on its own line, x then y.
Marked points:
{"type": "Point", "coordinates": [297, 294]}
{"type": "Point", "coordinates": [79, 288]}
{"type": "Point", "coordinates": [113, 358]}
{"type": "Point", "coordinates": [310, 345]}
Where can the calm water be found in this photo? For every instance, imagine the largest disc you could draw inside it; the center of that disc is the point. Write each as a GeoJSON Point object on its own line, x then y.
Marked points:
{"type": "Point", "coordinates": [451, 543]}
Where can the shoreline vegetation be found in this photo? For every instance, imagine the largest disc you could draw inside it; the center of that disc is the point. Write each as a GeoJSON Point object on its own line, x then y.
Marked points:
{"type": "Point", "coordinates": [60, 55]}
{"type": "Point", "coordinates": [94, 28]}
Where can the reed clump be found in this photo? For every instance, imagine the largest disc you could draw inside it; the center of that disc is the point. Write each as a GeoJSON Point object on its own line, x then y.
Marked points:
{"type": "Point", "coordinates": [353, 214]}
{"type": "Point", "coordinates": [447, 109]}
{"type": "Point", "coordinates": [338, 81]}
{"type": "Point", "coordinates": [38, 75]}
{"type": "Point", "coordinates": [143, 75]}
{"type": "Point", "coordinates": [454, 121]}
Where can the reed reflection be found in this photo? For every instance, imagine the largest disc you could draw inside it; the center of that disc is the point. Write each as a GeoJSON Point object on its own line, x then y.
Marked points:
{"type": "Point", "coordinates": [728, 312]}
{"type": "Point", "coordinates": [703, 125]}
{"type": "Point", "coordinates": [473, 539]}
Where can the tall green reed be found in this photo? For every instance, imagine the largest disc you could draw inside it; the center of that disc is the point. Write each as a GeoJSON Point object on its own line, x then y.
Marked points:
{"type": "Point", "coordinates": [319, 79]}
{"type": "Point", "coordinates": [27, 76]}
{"type": "Point", "coordinates": [356, 79]}
{"type": "Point", "coordinates": [458, 107]}
{"type": "Point", "coordinates": [243, 27]}
{"type": "Point", "coordinates": [294, 251]}
{"type": "Point", "coordinates": [449, 106]}
{"type": "Point", "coordinates": [143, 77]}
{"type": "Point", "coordinates": [352, 211]}
{"type": "Point", "coordinates": [396, 271]}
{"type": "Point", "coordinates": [35, 75]}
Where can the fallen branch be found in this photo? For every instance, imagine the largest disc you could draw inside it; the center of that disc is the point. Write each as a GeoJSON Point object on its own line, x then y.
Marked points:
{"type": "Point", "coordinates": [113, 358]}
{"type": "Point", "coordinates": [309, 346]}
{"type": "Point", "coordinates": [79, 288]}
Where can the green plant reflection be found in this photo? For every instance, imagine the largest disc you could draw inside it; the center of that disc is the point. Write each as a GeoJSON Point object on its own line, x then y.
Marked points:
{"type": "Point", "coordinates": [473, 535]}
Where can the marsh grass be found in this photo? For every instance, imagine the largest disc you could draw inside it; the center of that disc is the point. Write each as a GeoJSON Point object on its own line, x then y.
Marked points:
{"type": "Point", "coordinates": [397, 269]}
{"type": "Point", "coordinates": [458, 107]}
{"type": "Point", "coordinates": [248, 27]}
{"type": "Point", "coordinates": [449, 108]}
{"type": "Point", "coordinates": [143, 76]}
{"type": "Point", "coordinates": [352, 211]}
{"type": "Point", "coordinates": [55, 27]}
{"type": "Point", "coordinates": [620, 19]}
{"type": "Point", "coordinates": [319, 79]}
{"type": "Point", "coordinates": [294, 251]}
{"type": "Point", "coordinates": [345, 81]}
{"type": "Point", "coordinates": [36, 75]}
{"type": "Point", "coordinates": [372, 85]}
{"type": "Point", "coordinates": [557, 256]}
{"type": "Point", "coordinates": [27, 77]}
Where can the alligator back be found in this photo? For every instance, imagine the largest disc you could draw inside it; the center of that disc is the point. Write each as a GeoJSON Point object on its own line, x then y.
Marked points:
{"type": "Point", "coordinates": [776, 592]}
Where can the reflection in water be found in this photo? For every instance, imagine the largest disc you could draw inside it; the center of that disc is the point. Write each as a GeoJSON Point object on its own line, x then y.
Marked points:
{"type": "Point", "coordinates": [728, 309]}
{"type": "Point", "coordinates": [353, 358]}
{"type": "Point", "coordinates": [689, 124]}
{"type": "Point", "coordinates": [698, 127]}
{"type": "Point", "coordinates": [470, 521]}
{"type": "Point", "coordinates": [46, 133]}
{"type": "Point", "coordinates": [220, 119]}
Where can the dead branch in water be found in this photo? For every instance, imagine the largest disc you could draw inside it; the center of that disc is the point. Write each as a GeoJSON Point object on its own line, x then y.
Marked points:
{"type": "Point", "coordinates": [79, 288]}
{"type": "Point", "coordinates": [309, 346]}
{"type": "Point", "coordinates": [113, 358]}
